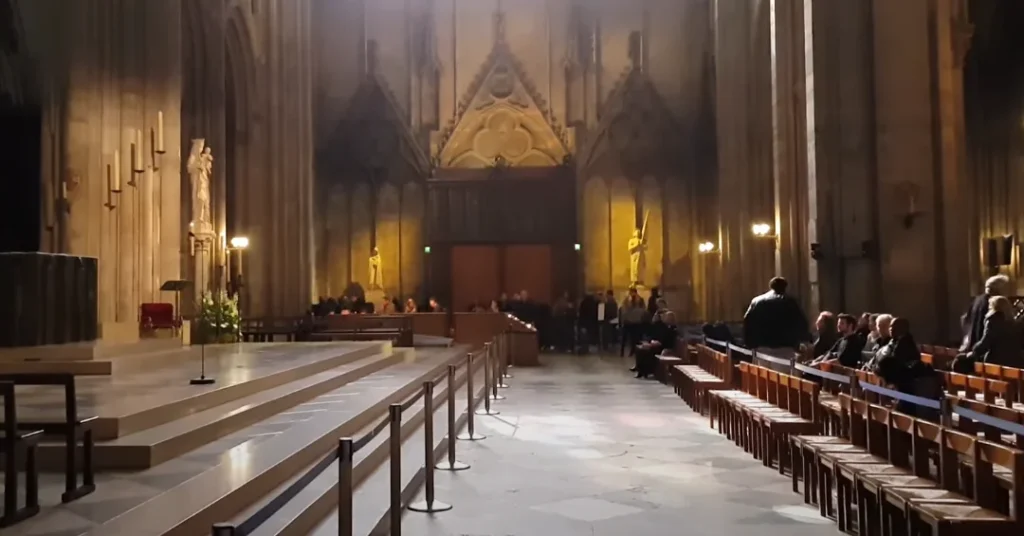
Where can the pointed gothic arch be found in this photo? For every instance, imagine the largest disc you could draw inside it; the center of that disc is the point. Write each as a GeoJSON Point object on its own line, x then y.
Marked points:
{"type": "Point", "coordinates": [638, 134]}
{"type": "Point", "coordinates": [372, 132]}
{"type": "Point", "coordinates": [502, 120]}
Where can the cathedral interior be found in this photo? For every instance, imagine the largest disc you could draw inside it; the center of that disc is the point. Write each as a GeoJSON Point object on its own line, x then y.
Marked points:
{"type": "Point", "coordinates": [485, 146]}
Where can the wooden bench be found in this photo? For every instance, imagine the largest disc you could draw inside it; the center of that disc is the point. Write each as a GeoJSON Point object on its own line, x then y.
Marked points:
{"type": "Point", "coordinates": [769, 407]}
{"type": "Point", "coordinates": [18, 445]}
{"type": "Point", "coordinates": [692, 382]}
{"type": "Point", "coordinates": [268, 329]}
{"type": "Point", "coordinates": [73, 429]}
{"type": "Point", "coordinates": [663, 369]}
{"type": "Point", "coordinates": [395, 328]}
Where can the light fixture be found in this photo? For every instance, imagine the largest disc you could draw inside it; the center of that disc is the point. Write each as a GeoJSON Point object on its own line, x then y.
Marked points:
{"type": "Point", "coordinates": [762, 230]}
{"type": "Point", "coordinates": [706, 247]}
{"type": "Point", "coordinates": [577, 246]}
{"type": "Point", "coordinates": [426, 249]}
{"type": "Point", "coordinates": [239, 242]}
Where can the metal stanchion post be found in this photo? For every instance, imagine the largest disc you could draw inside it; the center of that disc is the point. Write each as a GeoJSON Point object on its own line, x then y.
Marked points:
{"type": "Point", "coordinates": [470, 434]}
{"type": "Point", "coordinates": [495, 359]}
{"type": "Point", "coordinates": [223, 529]}
{"type": "Point", "coordinates": [502, 360]}
{"type": "Point", "coordinates": [395, 442]}
{"type": "Point", "coordinates": [451, 464]}
{"type": "Point", "coordinates": [345, 486]}
{"type": "Point", "coordinates": [488, 380]}
{"type": "Point", "coordinates": [430, 505]}
{"type": "Point", "coordinates": [508, 354]}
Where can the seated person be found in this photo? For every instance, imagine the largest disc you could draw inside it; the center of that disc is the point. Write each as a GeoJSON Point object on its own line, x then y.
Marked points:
{"type": "Point", "coordinates": [847, 350]}
{"type": "Point", "coordinates": [827, 333]}
{"type": "Point", "coordinates": [913, 377]}
{"type": "Point", "coordinates": [901, 346]}
{"type": "Point", "coordinates": [882, 334]}
{"type": "Point", "coordinates": [661, 338]}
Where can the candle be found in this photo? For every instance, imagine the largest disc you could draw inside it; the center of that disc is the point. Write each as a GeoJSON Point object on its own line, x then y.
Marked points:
{"type": "Point", "coordinates": [160, 132]}
{"type": "Point", "coordinates": [139, 147]}
{"type": "Point", "coordinates": [116, 179]}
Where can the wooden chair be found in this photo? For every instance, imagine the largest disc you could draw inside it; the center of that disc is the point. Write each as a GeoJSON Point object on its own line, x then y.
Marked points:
{"type": "Point", "coordinates": [18, 444]}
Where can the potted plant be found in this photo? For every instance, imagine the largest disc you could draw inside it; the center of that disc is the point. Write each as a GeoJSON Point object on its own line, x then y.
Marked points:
{"type": "Point", "coordinates": [218, 320]}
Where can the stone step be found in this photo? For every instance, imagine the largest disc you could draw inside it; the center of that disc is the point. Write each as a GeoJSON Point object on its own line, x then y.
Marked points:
{"type": "Point", "coordinates": [158, 444]}
{"type": "Point", "coordinates": [137, 401]}
{"type": "Point", "coordinates": [316, 505]}
{"type": "Point", "coordinates": [251, 473]}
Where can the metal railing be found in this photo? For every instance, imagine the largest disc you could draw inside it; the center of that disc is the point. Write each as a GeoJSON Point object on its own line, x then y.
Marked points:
{"type": "Point", "coordinates": [495, 365]}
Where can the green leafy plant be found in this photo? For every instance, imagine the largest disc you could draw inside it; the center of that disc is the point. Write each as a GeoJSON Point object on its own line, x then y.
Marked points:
{"type": "Point", "coordinates": [219, 320]}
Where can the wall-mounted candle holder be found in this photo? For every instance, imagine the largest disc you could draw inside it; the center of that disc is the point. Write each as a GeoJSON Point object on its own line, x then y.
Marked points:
{"type": "Point", "coordinates": [156, 141]}
{"type": "Point", "coordinates": [113, 181]}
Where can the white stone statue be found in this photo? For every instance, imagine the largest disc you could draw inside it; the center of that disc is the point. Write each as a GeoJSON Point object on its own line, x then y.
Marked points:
{"type": "Point", "coordinates": [200, 167]}
{"type": "Point", "coordinates": [376, 281]}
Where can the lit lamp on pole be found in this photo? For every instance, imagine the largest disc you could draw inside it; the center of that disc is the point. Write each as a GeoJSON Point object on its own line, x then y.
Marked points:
{"type": "Point", "coordinates": [239, 244]}
{"type": "Point", "coordinates": [706, 247]}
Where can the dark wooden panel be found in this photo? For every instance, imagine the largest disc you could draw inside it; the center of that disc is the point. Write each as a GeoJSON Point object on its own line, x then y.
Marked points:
{"type": "Point", "coordinates": [47, 299]}
{"type": "Point", "coordinates": [508, 209]}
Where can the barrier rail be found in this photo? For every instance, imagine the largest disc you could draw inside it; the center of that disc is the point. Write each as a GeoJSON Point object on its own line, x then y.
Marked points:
{"type": "Point", "coordinates": [495, 363]}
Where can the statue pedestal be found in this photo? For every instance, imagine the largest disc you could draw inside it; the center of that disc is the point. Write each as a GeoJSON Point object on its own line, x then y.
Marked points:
{"type": "Point", "coordinates": [376, 297]}
{"type": "Point", "coordinates": [643, 292]}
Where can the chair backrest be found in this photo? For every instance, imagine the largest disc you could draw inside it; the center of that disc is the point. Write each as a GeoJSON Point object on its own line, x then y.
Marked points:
{"type": "Point", "coordinates": [900, 440]}
{"type": "Point", "coordinates": [986, 494]}
{"type": "Point", "coordinates": [156, 311]}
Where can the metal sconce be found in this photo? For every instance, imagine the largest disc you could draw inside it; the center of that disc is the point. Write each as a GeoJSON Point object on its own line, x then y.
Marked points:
{"type": "Point", "coordinates": [113, 181]}
{"type": "Point", "coordinates": [910, 191]}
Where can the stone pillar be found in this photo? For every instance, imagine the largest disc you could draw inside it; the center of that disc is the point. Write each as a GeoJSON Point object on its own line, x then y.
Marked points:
{"type": "Point", "coordinates": [790, 151]}
{"type": "Point", "coordinates": [952, 35]}
{"type": "Point", "coordinates": [909, 165]}
{"type": "Point", "coordinates": [742, 99]}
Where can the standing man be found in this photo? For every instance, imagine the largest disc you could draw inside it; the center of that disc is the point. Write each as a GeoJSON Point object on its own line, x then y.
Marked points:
{"type": "Point", "coordinates": [775, 319]}
{"type": "Point", "coordinates": [631, 318]}
{"type": "Point", "coordinates": [609, 320]}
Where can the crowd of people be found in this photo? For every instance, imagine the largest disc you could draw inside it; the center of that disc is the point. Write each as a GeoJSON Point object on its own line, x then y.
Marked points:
{"type": "Point", "coordinates": [883, 343]}
{"type": "Point", "coordinates": [358, 305]}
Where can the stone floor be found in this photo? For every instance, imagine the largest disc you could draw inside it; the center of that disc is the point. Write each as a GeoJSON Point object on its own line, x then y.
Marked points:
{"type": "Point", "coordinates": [582, 448]}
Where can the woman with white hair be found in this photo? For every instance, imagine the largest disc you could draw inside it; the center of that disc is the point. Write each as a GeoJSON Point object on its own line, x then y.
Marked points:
{"type": "Point", "coordinates": [1000, 342]}
{"type": "Point", "coordinates": [974, 319]}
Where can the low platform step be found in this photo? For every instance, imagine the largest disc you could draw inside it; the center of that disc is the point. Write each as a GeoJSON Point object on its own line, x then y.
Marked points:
{"type": "Point", "coordinates": [224, 490]}
{"type": "Point", "coordinates": [156, 445]}
{"type": "Point", "coordinates": [316, 505]}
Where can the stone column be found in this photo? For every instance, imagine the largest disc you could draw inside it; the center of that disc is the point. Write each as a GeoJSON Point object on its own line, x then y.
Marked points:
{"type": "Point", "coordinates": [952, 34]}
{"type": "Point", "coordinates": [909, 165]}
{"type": "Point", "coordinates": [742, 100]}
{"type": "Point", "coordinates": [790, 151]}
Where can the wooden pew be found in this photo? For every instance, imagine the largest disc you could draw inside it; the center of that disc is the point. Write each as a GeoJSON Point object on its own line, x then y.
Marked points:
{"type": "Point", "coordinates": [768, 408]}
{"type": "Point", "coordinates": [713, 371]}
{"type": "Point", "coordinates": [16, 444]}
{"type": "Point", "coordinates": [73, 429]}
{"type": "Point", "coordinates": [887, 471]}
{"type": "Point", "coordinates": [395, 328]}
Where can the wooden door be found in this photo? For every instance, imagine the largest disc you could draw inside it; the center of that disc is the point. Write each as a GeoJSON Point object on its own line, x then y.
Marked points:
{"type": "Point", "coordinates": [475, 276]}
{"type": "Point", "coordinates": [529, 267]}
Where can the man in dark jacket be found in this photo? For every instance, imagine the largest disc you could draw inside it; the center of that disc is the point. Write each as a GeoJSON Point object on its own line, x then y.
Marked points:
{"type": "Point", "coordinates": [775, 319]}
{"type": "Point", "coordinates": [847, 350]}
